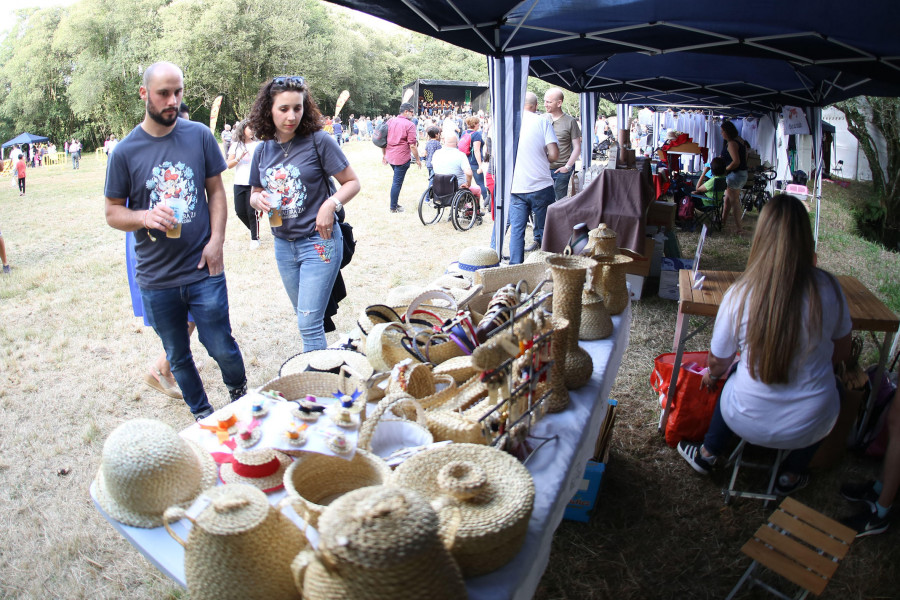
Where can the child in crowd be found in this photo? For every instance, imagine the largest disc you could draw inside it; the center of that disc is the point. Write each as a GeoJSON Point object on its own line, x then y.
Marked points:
{"type": "Point", "coordinates": [433, 145]}
{"type": "Point", "coordinates": [704, 199]}
{"type": "Point", "coordinates": [20, 173]}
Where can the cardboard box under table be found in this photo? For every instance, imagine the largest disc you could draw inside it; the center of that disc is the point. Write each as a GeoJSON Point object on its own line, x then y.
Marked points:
{"type": "Point", "coordinates": [557, 470]}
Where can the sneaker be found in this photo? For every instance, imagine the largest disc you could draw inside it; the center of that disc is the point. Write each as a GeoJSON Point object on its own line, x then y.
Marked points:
{"type": "Point", "coordinates": [254, 244]}
{"type": "Point", "coordinates": [396, 210]}
{"type": "Point", "coordinates": [203, 413]}
{"type": "Point", "coordinates": [867, 522]}
{"type": "Point", "coordinates": [238, 393]}
{"type": "Point", "coordinates": [691, 453]}
{"type": "Point", "coordinates": [534, 246]}
{"type": "Point", "coordinates": [6, 269]}
{"type": "Point", "coordinates": [783, 487]}
{"type": "Point", "coordinates": [860, 492]}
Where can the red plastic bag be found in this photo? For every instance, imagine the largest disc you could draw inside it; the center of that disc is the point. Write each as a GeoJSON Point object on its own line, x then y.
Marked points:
{"type": "Point", "coordinates": [693, 404]}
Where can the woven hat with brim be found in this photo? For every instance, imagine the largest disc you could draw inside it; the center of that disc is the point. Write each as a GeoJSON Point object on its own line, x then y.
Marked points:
{"type": "Point", "coordinates": [262, 468]}
{"type": "Point", "coordinates": [473, 258]}
{"type": "Point", "coordinates": [147, 467]}
{"type": "Point", "coordinates": [327, 360]}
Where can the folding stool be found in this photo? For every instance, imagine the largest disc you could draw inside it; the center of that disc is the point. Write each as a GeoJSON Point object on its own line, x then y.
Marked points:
{"type": "Point", "coordinates": [737, 459]}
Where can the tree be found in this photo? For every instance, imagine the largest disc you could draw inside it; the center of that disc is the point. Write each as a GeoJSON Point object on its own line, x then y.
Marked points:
{"type": "Point", "coordinates": [872, 121]}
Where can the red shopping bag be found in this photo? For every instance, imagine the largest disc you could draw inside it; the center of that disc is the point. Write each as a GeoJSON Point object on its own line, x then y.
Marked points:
{"type": "Point", "coordinates": [693, 405]}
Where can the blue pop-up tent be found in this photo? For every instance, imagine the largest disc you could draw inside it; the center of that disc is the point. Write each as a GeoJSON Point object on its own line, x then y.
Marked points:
{"type": "Point", "coordinates": [25, 138]}
{"type": "Point", "coordinates": [753, 56]}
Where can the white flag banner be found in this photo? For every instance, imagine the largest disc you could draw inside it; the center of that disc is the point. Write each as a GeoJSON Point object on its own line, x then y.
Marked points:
{"type": "Point", "coordinates": [794, 121]}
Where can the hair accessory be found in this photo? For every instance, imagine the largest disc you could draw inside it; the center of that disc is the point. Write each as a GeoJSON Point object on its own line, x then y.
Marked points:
{"type": "Point", "coordinates": [249, 435]}
{"type": "Point", "coordinates": [263, 469]}
{"type": "Point", "coordinates": [342, 418]}
{"type": "Point", "coordinates": [296, 434]}
{"type": "Point", "coordinates": [258, 408]}
{"type": "Point", "coordinates": [224, 427]}
{"type": "Point", "coordinates": [338, 444]}
{"type": "Point", "coordinates": [308, 409]}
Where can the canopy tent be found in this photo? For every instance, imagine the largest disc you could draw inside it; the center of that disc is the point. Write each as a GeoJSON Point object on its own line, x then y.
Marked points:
{"type": "Point", "coordinates": [25, 138]}
{"type": "Point", "coordinates": [761, 55]}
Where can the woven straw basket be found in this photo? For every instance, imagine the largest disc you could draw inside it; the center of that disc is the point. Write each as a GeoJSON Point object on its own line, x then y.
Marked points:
{"type": "Point", "coordinates": [494, 493]}
{"type": "Point", "coordinates": [329, 360]}
{"type": "Point", "coordinates": [596, 323]}
{"type": "Point", "coordinates": [240, 547]}
{"type": "Point", "coordinates": [383, 433]}
{"type": "Point", "coordinates": [315, 480]}
{"type": "Point", "coordinates": [459, 368]}
{"type": "Point", "coordinates": [379, 543]}
{"type": "Point", "coordinates": [297, 385]}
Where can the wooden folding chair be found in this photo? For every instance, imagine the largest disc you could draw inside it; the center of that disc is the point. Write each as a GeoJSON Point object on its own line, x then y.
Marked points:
{"type": "Point", "coordinates": [802, 545]}
{"type": "Point", "coordinates": [737, 460]}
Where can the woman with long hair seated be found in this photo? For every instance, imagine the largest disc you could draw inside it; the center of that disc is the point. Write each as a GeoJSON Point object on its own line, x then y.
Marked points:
{"type": "Point", "coordinates": [790, 322]}
{"type": "Point", "coordinates": [291, 170]}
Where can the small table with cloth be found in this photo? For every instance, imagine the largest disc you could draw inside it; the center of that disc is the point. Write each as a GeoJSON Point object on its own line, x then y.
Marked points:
{"type": "Point", "coordinates": [618, 197]}
{"type": "Point", "coordinates": [557, 469]}
{"type": "Point", "coordinates": [867, 313]}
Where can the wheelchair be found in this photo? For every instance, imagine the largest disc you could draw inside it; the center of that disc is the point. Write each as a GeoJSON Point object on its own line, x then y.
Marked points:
{"type": "Point", "coordinates": [446, 193]}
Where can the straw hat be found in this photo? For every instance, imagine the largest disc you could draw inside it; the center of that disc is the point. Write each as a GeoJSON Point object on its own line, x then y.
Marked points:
{"type": "Point", "coordinates": [263, 468]}
{"type": "Point", "coordinates": [473, 258]}
{"type": "Point", "coordinates": [493, 491]}
{"type": "Point", "coordinates": [147, 467]}
{"type": "Point", "coordinates": [328, 360]}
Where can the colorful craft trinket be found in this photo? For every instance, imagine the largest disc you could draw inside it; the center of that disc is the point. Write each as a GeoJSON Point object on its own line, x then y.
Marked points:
{"type": "Point", "coordinates": [308, 409]}
{"type": "Point", "coordinates": [338, 444]}
{"type": "Point", "coordinates": [249, 435]}
{"type": "Point", "coordinates": [296, 435]}
{"type": "Point", "coordinates": [342, 417]}
{"type": "Point", "coordinates": [258, 408]}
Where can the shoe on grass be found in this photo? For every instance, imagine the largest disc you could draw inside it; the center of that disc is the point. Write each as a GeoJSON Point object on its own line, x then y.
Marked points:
{"type": "Point", "coordinates": [254, 244]}
{"type": "Point", "coordinates": [156, 380]}
{"type": "Point", "coordinates": [784, 486]}
{"type": "Point", "coordinates": [860, 492]}
{"type": "Point", "coordinates": [203, 413]}
{"type": "Point", "coordinates": [690, 451]}
{"type": "Point", "coordinates": [6, 269]}
{"type": "Point", "coordinates": [238, 393]}
{"type": "Point", "coordinates": [534, 246]}
{"type": "Point", "coordinates": [867, 522]}
{"type": "Point", "coordinates": [397, 210]}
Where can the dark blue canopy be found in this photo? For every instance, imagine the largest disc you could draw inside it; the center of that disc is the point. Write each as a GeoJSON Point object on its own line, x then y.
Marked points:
{"type": "Point", "coordinates": [25, 138]}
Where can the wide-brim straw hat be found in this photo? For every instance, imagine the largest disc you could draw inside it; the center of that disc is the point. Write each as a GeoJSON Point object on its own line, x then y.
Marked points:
{"type": "Point", "coordinates": [147, 467]}
{"type": "Point", "coordinates": [473, 258]}
{"type": "Point", "coordinates": [262, 468]}
{"type": "Point", "coordinates": [328, 360]}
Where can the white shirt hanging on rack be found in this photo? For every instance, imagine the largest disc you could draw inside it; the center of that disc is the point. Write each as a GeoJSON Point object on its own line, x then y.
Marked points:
{"type": "Point", "coordinates": [750, 131]}
{"type": "Point", "coordinates": [669, 119]}
{"type": "Point", "coordinates": [765, 139]}
{"type": "Point", "coordinates": [784, 168]}
{"type": "Point", "coordinates": [645, 117]}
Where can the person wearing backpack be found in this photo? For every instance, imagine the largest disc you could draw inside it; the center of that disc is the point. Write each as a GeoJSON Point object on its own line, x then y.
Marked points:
{"type": "Point", "coordinates": [401, 141]}
{"type": "Point", "coordinates": [471, 144]}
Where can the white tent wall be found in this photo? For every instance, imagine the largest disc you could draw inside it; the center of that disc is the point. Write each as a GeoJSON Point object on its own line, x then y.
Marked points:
{"type": "Point", "coordinates": [856, 166]}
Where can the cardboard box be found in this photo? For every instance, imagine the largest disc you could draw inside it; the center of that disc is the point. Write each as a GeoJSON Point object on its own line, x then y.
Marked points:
{"type": "Point", "coordinates": [640, 264]}
{"type": "Point", "coordinates": [585, 497]}
{"type": "Point", "coordinates": [668, 277]}
{"type": "Point", "coordinates": [635, 286]}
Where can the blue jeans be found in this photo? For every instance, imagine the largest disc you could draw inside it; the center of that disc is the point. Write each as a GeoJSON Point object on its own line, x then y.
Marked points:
{"type": "Point", "coordinates": [399, 176]}
{"type": "Point", "coordinates": [308, 268]}
{"type": "Point", "coordinates": [560, 183]}
{"type": "Point", "coordinates": [478, 178]}
{"type": "Point", "coordinates": [522, 204]}
{"type": "Point", "coordinates": [207, 300]}
{"type": "Point", "coordinates": [430, 176]}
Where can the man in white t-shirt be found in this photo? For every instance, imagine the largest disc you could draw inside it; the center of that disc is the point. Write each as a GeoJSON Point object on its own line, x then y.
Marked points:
{"type": "Point", "coordinates": [532, 185]}
{"type": "Point", "coordinates": [449, 160]}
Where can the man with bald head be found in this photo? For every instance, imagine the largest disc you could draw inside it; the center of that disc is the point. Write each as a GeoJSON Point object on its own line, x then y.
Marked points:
{"type": "Point", "coordinates": [568, 134]}
{"type": "Point", "coordinates": [532, 186]}
{"type": "Point", "coordinates": [164, 183]}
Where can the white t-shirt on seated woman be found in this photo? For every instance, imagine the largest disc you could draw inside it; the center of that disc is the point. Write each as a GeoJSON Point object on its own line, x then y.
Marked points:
{"type": "Point", "coordinates": [793, 415]}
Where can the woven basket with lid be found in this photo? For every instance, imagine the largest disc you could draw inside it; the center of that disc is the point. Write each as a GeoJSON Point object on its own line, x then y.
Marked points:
{"type": "Point", "coordinates": [494, 493]}
{"type": "Point", "coordinates": [379, 543]}
{"type": "Point", "coordinates": [240, 547]}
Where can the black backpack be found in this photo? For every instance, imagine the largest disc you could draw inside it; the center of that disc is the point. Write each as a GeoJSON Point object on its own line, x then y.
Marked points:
{"type": "Point", "coordinates": [380, 134]}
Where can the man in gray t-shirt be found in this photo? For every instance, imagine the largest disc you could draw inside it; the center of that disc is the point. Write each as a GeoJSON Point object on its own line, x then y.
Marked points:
{"type": "Point", "coordinates": [168, 162]}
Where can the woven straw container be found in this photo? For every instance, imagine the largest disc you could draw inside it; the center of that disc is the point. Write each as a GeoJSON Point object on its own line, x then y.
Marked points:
{"type": "Point", "coordinates": [145, 468]}
{"type": "Point", "coordinates": [239, 547]}
{"type": "Point", "coordinates": [328, 360]}
{"type": "Point", "coordinates": [602, 241]}
{"type": "Point", "coordinates": [297, 385]}
{"type": "Point", "coordinates": [596, 323]}
{"type": "Point", "coordinates": [569, 275]}
{"type": "Point", "coordinates": [379, 543]}
{"type": "Point", "coordinates": [559, 399]}
{"type": "Point", "coordinates": [315, 480]}
{"type": "Point", "coordinates": [494, 494]}
{"type": "Point", "coordinates": [383, 433]}
{"type": "Point", "coordinates": [460, 368]}
{"type": "Point", "coordinates": [612, 283]}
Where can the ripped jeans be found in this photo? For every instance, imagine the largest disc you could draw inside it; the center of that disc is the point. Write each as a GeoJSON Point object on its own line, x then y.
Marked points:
{"type": "Point", "coordinates": [308, 268]}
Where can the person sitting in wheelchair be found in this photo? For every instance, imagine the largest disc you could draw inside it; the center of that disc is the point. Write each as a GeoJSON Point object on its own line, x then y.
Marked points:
{"type": "Point", "coordinates": [449, 160]}
{"type": "Point", "coordinates": [704, 196]}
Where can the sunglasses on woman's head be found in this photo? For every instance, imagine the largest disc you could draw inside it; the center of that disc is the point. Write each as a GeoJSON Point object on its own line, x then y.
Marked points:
{"type": "Point", "coordinates": [295, 80]}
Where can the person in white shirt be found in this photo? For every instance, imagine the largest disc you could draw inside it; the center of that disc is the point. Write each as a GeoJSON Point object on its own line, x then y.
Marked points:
{"type": "Point", "coordinates": [449, 160]}
{"type": "Point", "coordinates": [532, 185]}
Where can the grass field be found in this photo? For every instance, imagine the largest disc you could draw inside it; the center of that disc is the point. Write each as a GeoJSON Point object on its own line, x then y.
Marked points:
{"type": "Point", "coordinates": [72, 356]}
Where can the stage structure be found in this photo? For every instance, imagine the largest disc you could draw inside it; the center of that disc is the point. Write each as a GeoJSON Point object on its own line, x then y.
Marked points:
{"type": "Point", "coordinates": [473, 94]}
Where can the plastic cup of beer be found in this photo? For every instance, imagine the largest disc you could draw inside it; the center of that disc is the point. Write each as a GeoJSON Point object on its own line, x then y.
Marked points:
{"type": "Point", "coordinates": [275, 210]}
{"type": "Point", "coordinates": [178, 206]}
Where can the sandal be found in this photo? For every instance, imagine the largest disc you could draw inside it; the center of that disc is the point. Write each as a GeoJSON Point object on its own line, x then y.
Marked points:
{"type": "Point", "coordinates": [155, 380]}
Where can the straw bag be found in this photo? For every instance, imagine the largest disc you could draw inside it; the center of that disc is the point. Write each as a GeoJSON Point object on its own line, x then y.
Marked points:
{"type": "Point", "coordinates": [239, 547]}
{"type": "Point", "coordinates": [314, 480]}
{"type": "Point", "coordinates": [298, 385]}
{"type": "Point", "coordinates": [459, 368]}
{"type": "Point", "coordinates": [327, 360]}
{"type": "Point", "coordinates": [494, 494]}
{"type": "Point", "coordinates": [383, 435]}
{"type": "Point", "coordinates": [380, 543]}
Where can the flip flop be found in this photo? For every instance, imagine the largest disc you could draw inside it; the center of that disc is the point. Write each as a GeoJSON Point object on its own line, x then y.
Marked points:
{"type": "Point", "coordinates": [161, 384]}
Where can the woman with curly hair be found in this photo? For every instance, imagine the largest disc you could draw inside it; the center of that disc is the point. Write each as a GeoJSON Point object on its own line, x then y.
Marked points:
{"type": "Point", "coordinates": [290, 175]}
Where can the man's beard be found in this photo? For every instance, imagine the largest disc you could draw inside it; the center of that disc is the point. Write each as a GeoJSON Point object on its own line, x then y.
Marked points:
{"type": "Point", "coordinates": [157, 116]}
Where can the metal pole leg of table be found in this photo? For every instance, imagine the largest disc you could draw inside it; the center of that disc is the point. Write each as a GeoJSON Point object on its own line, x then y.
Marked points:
{"type": "Point", "coordinates": [684, 336]}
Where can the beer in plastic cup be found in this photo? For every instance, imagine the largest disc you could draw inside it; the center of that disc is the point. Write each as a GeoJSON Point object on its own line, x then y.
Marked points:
{"type": "Point", "coordinates": [274, 201]}
{"type": "Point", "coordinates": [178, 206]}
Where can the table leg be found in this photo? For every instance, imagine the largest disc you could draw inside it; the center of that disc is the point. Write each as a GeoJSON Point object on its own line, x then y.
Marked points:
{"type": "Point", "coordinates": [679, 341]}
{"type": "Point", "coordinates": [679, 326]}
{"type": "Point", "coordinates": [876, 385]}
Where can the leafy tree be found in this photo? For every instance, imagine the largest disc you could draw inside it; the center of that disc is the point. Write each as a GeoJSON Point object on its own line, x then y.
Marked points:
{"type": "Point", "coordinates": [872, 120]}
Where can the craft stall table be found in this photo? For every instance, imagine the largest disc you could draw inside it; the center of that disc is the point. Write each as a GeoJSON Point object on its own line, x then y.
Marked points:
{"type": "Point", "coordinates": [557, 469]}
{"type": "Point", "coordinates": [867, 313]}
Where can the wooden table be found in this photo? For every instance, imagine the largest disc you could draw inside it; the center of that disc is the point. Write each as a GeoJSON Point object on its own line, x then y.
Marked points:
{"type": "Point", "coordinates": [867, 313]}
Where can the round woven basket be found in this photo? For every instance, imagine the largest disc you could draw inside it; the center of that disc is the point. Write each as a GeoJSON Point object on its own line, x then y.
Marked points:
{"type": "Point", "coordinates": [315, 480]}
{"type": "Point", "coordinates": [459, 368]}
{"type": "Point", "coordinates": [596, 323]}
{"type": "Point", "coordinates": [417, 380]}
{"type": "Point", "coordinates": [329, 360]}
{"type": "Point", "coordinates": [559, 399]}
{"type": "Point", "coordinates": [239, 547]}
{"type": "Point", "coordinates": [569, 274]}
{"type": "Point", "coordinates": [297, 385]}
{"type": "Point", "coordinates": [388, 344]}
{"type": "Point", "coordinates": [612, 284]}
{"type": "Point", "coordinates": [379, 543]}
{"type": "Point", "coordinates": [602, 241]}
{"type": "Point", "coordinates": [494, 493]}
{"type": "Point", "coordinates": [382, 435]}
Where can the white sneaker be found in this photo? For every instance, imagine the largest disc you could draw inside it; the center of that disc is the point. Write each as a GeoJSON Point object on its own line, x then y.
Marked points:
{"type": "Point", "coordinates": [254, 244]}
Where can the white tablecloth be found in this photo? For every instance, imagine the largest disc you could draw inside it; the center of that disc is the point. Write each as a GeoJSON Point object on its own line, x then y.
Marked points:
{"type": "Point", "coordinates": [557, 469]}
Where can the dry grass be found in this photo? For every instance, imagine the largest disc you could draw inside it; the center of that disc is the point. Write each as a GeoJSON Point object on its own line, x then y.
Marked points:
{"type": "Point", "coordinates": [71, 358]}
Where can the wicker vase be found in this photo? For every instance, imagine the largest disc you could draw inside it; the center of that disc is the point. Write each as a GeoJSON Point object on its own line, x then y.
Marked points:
{"type": "Point", "coordinates": [602, 241]}
{"type": "Point", "coordinates": [569, 274]}
{"type": "Point", "coordinates": [611, 284]}
{"type": "Point", "coordinates": [596, 324]}
{"type": "Point", "coordinates": [559, 398]}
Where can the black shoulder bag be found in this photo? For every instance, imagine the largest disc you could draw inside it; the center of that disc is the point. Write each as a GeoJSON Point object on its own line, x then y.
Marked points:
{"type": "Point", "coordinates": [346, 228]}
